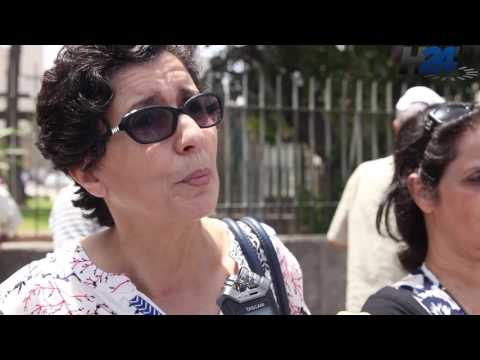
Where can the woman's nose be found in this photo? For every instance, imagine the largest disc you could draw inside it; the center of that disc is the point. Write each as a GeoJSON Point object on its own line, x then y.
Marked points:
{"type": "Point", "coordinates": [190, 135]}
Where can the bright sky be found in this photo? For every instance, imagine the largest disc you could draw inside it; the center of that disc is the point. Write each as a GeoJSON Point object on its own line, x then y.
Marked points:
{"type": "Point", "coordinates": [49, 54]}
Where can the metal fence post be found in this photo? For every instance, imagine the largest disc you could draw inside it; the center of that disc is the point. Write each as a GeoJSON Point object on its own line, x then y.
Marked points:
{"type": "Point", "coordinates": [261, 152]}
{"type": "Point", "coordinates": [374, 114]}
{"type": "Point", "coordinates": [245, 147]}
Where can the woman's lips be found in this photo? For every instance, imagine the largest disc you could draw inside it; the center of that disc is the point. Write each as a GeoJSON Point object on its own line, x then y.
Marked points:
{"type": "Point", "coordinates": [197, 178]}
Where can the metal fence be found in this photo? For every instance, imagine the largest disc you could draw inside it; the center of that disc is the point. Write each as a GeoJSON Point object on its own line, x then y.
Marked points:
{"type": "Point", "coordinates": [287, 144]}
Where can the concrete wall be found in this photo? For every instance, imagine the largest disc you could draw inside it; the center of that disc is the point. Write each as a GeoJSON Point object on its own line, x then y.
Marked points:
{"type": "Point", "coordinates": [324, 272]}
{"type": "Point", "coordinates": [323, 268]}
{"type": "Point", "coordinates": [14, 255]}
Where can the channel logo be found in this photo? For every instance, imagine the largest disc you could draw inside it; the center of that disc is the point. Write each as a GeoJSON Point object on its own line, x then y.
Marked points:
{"type": "Point", "coordinates": [436, 62]}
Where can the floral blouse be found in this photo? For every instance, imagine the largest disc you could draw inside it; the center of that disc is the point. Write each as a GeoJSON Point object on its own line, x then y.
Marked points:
{"type": "Point", "coordinates": [68, 282]}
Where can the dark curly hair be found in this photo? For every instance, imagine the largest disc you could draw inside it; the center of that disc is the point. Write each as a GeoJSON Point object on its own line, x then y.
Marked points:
{"type": "Point", "coordinates": [428, 153]}
{"type": "Point", "coordinates": [74, 98]}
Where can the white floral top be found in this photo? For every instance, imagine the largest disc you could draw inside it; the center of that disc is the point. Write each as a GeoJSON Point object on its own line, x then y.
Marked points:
{"type": "Point", "coordinates": [68, 282]}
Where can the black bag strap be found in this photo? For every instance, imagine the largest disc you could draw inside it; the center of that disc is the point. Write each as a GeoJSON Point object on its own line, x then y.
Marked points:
{"type": "Point", "coordinates": [246, 246]}
{"type": "Point", "coordinates": [254, 262]}
{"type": "Point", "coordinates": [272, 259]}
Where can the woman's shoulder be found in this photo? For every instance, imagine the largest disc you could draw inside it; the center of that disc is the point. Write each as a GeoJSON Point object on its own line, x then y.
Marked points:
{"type": "Point", "coordinates": [24, 292]}
{"type": "Point", "coordinates": [287, 260]}
{"type": "Point", "coordinates": [292, 274]}
{"type": "Point", "coordinates": [420, 292]}
{"type": "Point", "coordinates": [398, 298]}
{"type": "Point", "coordinates": [423, 286]}
{"type": "Point", "coordinates": [393, 301]}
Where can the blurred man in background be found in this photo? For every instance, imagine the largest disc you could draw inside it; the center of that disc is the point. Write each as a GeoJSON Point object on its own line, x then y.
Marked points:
{"type": "Point", "coordinates": [67, 222]}
{"type": "Point", "coordinates": [371, 258]}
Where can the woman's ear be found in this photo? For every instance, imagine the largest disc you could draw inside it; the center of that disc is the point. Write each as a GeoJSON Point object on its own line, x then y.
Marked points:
{"type": "Point", "coordinates": [89, 180]}
{"type": "Point", "coordinates": [422, 196]}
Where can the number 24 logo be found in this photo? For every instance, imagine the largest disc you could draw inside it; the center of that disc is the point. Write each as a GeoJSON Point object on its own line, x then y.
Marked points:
{"type": "Point", "coordinates": [438, 60]}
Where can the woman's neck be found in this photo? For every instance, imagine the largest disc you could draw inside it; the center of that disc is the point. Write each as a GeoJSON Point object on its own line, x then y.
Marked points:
{"type": "Point", "coordinates": [164, 258]}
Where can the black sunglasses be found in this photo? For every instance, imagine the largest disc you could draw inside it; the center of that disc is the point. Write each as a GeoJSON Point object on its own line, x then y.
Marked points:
{"type": "Point", "coordinates": [446, 112]}
{"type": "Point", "coordinates": [155, 123]}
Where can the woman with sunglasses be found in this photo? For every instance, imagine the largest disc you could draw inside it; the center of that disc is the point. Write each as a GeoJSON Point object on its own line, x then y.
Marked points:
{"type": "Point", "coordinates": [435, 199]}
{"type": "Point", "coordinates": [132, 126]}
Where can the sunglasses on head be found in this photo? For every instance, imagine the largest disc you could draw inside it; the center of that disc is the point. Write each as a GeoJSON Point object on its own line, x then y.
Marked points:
{"type": "Point", "coordinates": [444, 113]}
{"type": "Point", "coordinates": [155, 123]}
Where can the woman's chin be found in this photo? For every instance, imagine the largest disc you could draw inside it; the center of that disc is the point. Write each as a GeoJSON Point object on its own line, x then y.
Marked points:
{"type": "Point", "coordinates": [198, 208]}
{"type": "Point", "coordinates": [194, 206]}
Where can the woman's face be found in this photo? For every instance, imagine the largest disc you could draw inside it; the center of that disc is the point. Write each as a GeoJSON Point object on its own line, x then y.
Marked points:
{"type": "Point", "coordinates": [456, 212]}
{"type": "Point", "coordinates": [176, 177]}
